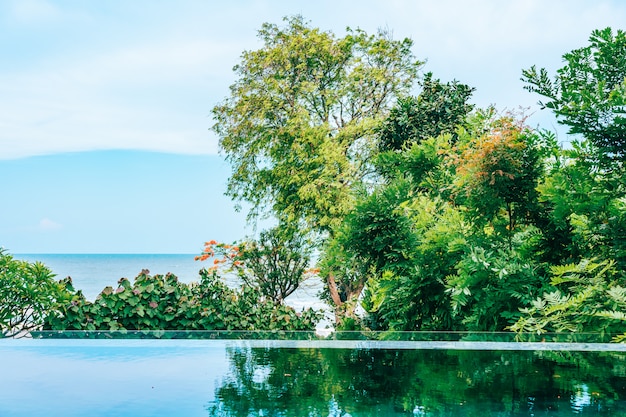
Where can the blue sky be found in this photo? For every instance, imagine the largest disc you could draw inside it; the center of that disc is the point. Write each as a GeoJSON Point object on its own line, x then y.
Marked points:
{"type": "Point", "coordinates": [105, 106]}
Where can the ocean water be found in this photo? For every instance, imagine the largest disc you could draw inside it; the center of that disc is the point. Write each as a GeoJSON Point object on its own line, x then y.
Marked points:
{"type": "Point", "coordinates": [91, 273]}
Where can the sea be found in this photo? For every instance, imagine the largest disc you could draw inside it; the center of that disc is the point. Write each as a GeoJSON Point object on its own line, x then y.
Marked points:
{"type": "Point", "coordinates": [91, 273]}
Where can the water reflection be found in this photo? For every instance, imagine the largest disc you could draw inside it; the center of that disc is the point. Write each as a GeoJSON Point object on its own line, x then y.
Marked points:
{"type": "Point", "coordinates": [380, 382]}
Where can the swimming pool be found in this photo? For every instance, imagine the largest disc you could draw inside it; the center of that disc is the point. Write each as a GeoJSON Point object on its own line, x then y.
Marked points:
{"type": "Point", "coordinates": [231, 377]}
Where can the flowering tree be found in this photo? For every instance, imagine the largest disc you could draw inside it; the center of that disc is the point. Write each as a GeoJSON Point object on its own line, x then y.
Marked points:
{"type": "Point", "coordinates": [276, 263]}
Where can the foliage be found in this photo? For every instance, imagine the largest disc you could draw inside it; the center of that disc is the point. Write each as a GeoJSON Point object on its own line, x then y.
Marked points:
{"type": "Point", "coordinates": [588, 94]}
{"type": "Point", "coordinates": [379, 232]}
{"type": "Point", "coordinates": [498, 172]}
{"type": "Point", "coordinates": [275, 264]}
{"type": "Point", "coordinates": [475, 191]}
{"type": "Point", "coordinates": [346, 275]}
{"type": "Point", "coordinates": [299, 122]}
{"type": "Point", "coordinates": [432, 214]}
{"type": "Point", "coordinates": [586, 214]}
{"type": "Point", "coordinates": [379, 236]}
{"type": "Point", "coordinates": [586, 297]}
{"type": "Point", "coordinates": [491, 285]}
{"type": "Point", "coordinates": [419, 163]}
{"type": "Point", "coordinates": [27, 293]}
{"type": "Point", "coordinates": [438, 109]}
{"type": "Point", "coordinates": [161, 302]}
{"type": "Point", "coordinates": [410, 294]}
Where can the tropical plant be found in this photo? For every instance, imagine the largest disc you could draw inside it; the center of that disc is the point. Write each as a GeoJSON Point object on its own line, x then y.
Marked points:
{"type": "Point", "coordinates": [589, 296]}
{"type": "Point", "coordinates": [411, 295]}
{"type": "Point", "coordinates": [299, 125]}
{"type": "Point", "coordinates": [28, 292]}
{"type": "Point", "coordinates": [491, 285]}
{"type": "Point", "coordinates": [498, 172]}
{"type": "Point", "coordinates": [161, 302]}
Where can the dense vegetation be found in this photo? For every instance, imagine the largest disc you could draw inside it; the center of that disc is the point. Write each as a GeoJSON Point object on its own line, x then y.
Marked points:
{"type": "Point", "coordinates": [30, 300]}
{"type": "Point", "coordinates": [28, 292]}
{"type": "Point", "coordinates": [427, 212]}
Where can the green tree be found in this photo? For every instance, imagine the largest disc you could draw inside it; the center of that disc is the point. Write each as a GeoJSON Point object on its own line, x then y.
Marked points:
{"type": "Point", "coordinates": [489, 287]}
{"type": "Point", "coordinates": [376, 236]}
{"type": "Point", "coordinates": [298, 126]}
{"type": "Point", "coordinates": [498, 171]}
{"type": "Point", "coordinates": [583, 197]}
{"type": "Point", "coordinates": [588, 94]}
{"type": "Point", "coordinates": [375, 247]}
{"type": "Point", "coordinates": [410, 293]}
{"type": "Point", "coordinates": [275, 263]}
{"type": "Point", "coordinates": [464, 196]}
{"type": "Point", "coordinates": [438, 109]}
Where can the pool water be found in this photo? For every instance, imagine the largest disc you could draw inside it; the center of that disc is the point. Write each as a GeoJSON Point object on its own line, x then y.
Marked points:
{"type": "Point", "coordinates": [48, 377]}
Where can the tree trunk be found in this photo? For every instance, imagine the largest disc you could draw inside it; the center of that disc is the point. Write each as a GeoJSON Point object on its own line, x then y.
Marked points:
{"type": "Point", "coordinates": [334, 295]}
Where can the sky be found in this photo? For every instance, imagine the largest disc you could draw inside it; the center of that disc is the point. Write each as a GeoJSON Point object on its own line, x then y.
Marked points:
{"type": "Point", "coordinates": [105, 106]}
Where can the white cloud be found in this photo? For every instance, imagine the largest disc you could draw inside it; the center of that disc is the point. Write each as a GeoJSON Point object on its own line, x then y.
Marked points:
{"type": "Point", "coordinates": [131, 98]}
{"type": "Point", "coordinates": [150, 63]}
{"type": "Point", "coordinates": [33, 11]}
{"type": "Point", "coordinates": [49, 225]}
{"type": "Point", "coordinates": [153, 83]}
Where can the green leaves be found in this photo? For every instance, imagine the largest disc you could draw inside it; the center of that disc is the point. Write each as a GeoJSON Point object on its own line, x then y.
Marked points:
{"type": "Point", "coordinates": [299, 123]}
{"type": "Point", "coordinates": [586, 297]}
{"type": "Point", "coordinates": [498, 172]}
{"type": "Point", "coordinates": [588, 93]}
{"type": "Point", "coordinates": [27, 294]}
{"type": "Point", "coordinates": [444, 216]}
{"type": "Point", "coordinates": [439, 109]}
{"type": "Point", "coordinates": [489, 287]}
{"type": "Point", "coordinates": [275, 263]}
{"type": "Point", "coordinates": [161, 302]}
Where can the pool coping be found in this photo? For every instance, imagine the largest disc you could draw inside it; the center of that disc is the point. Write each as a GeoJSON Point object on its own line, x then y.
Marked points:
{"type": "Point", "coordinates": [319, 344]}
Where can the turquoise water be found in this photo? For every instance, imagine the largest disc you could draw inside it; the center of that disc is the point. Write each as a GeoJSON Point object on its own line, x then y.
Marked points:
{"type": "Point", "coordinates": [303, 378]}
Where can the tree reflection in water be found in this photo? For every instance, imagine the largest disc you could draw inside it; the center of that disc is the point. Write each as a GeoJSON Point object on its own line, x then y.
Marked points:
{"type": "Point", "coordinates": [379, 382]}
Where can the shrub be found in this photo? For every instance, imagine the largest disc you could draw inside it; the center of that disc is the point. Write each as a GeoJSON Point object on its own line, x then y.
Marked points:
{"type": "Point", "coordinates": [586, 297]}
{"type": "Point", "coordinates": [28, 292]}
{"type": "Point", "coordinates": [161, 302]}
